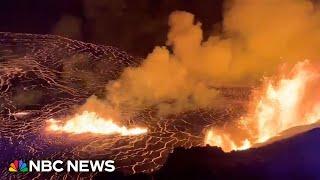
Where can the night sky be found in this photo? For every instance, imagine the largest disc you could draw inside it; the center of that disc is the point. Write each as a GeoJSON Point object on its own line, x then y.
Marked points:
{"type": "Point", "coordinates": [122, 23]}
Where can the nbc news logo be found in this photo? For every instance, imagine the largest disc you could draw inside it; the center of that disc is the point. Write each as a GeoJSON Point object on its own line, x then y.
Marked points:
{"type": "Point", "coordinates": [18, 166]}
{"type": "Point", "coordinates": [59, 166]}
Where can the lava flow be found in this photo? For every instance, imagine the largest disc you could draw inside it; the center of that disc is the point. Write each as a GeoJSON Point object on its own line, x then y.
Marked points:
{"type": "Point", "coordinates": [90, 122]}
{"type": "Point", "coordinates": [284, 102]}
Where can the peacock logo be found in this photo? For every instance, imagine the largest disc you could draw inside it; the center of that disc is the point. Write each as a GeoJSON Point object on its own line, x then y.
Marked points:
{"type": "Point", "coordinates": [18, 166]}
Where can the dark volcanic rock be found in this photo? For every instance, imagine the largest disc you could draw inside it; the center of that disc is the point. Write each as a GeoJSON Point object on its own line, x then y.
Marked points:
{"type": "Point", "coordinates": [294, 158]}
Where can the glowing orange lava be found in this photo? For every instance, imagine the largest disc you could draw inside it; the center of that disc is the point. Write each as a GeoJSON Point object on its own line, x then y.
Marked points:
{"type": "Point", "coordinates": [90, 122]}
{"type": "Point", "coordinates": [289, 101]}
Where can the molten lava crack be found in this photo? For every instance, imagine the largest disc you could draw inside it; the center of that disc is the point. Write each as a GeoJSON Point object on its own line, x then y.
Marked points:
{"type": "Point", "coordinates": [90, 122]}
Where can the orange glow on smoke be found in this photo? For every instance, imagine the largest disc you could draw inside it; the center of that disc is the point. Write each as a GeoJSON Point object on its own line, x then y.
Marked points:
{"type": "Point", "coordinates": [289, 101]}
{"type": "Point", "coordinates": [90, 122]}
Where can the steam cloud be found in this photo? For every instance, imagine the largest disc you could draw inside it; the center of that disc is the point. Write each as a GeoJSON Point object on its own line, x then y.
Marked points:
{"type": "Point", "coordinates": [256, 37]}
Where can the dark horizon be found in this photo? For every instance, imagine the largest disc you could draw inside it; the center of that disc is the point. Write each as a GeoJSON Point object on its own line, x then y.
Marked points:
{"type": "Point", "coordinates": [122, 24]}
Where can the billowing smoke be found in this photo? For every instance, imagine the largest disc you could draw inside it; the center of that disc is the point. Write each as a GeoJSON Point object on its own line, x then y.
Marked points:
{"type": "Point", "coordinates": [68, 26]}
{"type": "Point", "coordinates": [171, 81]}
{"type": "Point", "coordinates": [256, 37]}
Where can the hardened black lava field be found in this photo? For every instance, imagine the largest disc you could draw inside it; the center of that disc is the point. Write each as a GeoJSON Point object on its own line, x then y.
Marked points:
{"type": "Point", "coordinates": [45, 76]}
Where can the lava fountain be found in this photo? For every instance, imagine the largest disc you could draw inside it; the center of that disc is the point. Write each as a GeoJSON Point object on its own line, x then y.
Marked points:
{"type": "Point", "coordinates": [285, 101]}
{"type": "Point", "coordinates": [90, 122]}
